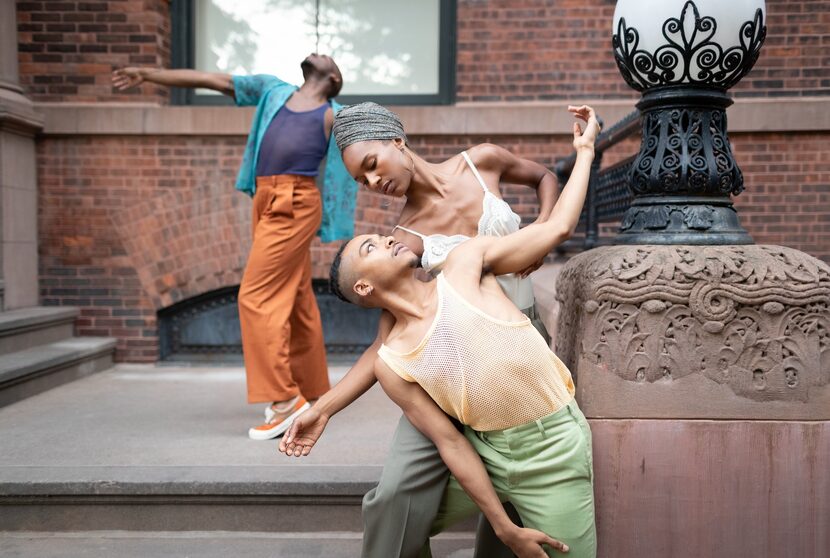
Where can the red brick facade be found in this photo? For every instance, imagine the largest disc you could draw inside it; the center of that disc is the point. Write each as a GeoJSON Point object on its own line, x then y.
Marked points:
{"type": "Point", "coordinates": [132, 224]}
{"type": "Point", "coordinates": [507, 50]}
{"type": "Point", "coordinates": [67, 50]}
{"type": "Point", "coordinates": [542, 50]}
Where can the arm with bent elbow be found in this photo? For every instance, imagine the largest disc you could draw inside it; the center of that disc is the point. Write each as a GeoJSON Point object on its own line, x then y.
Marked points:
{"type": "Point", "coordinates": [308, 427]}
{"type": "Point", "coordinates": [515, 252]}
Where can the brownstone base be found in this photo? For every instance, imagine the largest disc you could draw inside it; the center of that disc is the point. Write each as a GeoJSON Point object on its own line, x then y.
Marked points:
{"type": "Point", "coordinates": [705, 373]}
{"type": "Point", "coordinates": [711, 489]}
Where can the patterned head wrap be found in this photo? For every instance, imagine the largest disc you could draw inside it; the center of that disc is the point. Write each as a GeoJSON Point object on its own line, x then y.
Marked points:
{"type": "Point", "coordinates": [365, 122]}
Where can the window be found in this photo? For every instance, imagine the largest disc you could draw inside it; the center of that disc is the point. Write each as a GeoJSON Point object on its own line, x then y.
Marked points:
{"type": "Point", "coordinates": [389, 51]}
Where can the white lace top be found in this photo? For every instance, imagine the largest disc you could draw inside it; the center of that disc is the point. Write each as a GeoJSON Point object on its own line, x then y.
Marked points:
{"type": "Point", "coordinates": [497, 219]}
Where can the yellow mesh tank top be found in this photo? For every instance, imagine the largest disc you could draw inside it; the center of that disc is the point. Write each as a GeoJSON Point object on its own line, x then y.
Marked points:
{"type": "Point", "coordinates": [488, 373]}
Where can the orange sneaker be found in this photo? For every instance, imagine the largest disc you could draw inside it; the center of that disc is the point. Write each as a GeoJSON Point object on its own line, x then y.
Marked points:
{"type": "Point", "coordinates": [276, 426]}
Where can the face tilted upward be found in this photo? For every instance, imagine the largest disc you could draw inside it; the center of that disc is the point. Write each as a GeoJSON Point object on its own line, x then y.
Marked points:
{"type": "Point", "coordinates": [372, 263]}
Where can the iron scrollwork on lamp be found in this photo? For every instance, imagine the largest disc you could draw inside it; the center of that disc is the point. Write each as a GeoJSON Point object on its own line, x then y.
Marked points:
{"type": "Point", "coordinates": [685, 172]}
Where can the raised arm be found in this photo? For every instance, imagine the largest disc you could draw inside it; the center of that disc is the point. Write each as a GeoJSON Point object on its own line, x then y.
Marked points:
{"type": "Point", "coordinates": [515, 252]}
{"type": "Point", "coordinates": [126, 78]}
{"type": "Point", "coordinates": [463, 462]}
{"type": "Point", "coordinates": [308, 427]}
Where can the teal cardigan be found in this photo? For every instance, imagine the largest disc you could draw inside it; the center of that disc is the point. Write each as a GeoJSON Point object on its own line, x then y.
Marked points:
{"type": "Point", "coordinates": [339, 190]}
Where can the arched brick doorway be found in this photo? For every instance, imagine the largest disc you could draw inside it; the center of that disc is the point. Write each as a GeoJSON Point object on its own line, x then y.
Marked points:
{"type": "Point", "coordinates": [205, 327]}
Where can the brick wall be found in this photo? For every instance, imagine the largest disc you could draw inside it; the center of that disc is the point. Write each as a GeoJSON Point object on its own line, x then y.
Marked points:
{"type": "Point", "coordinates": [523, 50]}
{"type": "Point", "coordinates": [130, 225]}
{"type": "Point", "coordinates": [508, 50]}
{"type": "Point", "coordinates": [67, 50]}
{"type": "Point", "coordinates": [787, 196]}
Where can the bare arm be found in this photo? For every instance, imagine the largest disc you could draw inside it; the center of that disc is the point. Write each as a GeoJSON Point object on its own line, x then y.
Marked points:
{"type": "Point", "coordinates": [126, 78]}
{"type": "Point", "coordinates": [462, 461]}
{"type": "Point", "coordinates": [516, 170]}
{"type": "Point", "coordinates": [515, 252]}
{"type": "Point", "coordinates": [308, 427]}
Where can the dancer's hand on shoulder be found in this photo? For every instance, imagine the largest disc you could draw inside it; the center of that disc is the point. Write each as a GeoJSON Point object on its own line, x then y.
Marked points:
{"type": "Point", "coordinates": [585, 139]}
{"type": "Point", "coordinates": [303, 433]}
{"type": "Point", "coordinates": [527, 543]}
{"type": "Point", "coordinates": [125, 78]}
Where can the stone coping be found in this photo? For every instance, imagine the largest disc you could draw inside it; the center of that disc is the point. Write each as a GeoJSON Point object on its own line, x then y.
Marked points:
{"type": "Point", "coordinates": [279, 480]}
{"type": "Point", "coordinates": [782, 114]}
{"type": "Point", "coordinates": [25, 319]}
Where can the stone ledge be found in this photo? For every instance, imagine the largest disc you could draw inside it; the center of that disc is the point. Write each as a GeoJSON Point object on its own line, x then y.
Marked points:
{"type": "Point", "coordinates": [187, 481]}
{"type": "Point", "coordinates": [801, 114]}
{"type": "Point", "coordinates": [25, 319]}
{"type": "Point", "coordinates": [36, 361]}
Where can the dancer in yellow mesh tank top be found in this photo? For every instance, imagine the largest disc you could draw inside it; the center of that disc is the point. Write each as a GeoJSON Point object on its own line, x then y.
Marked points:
{"type": "Point", "coordinates": [460, 347]}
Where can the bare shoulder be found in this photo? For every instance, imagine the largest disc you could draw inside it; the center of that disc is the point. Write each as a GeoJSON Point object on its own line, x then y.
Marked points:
{"type": "Point", "coordinates": [490, 157]}
{"type": "Point", "coordinates": [464, 264]}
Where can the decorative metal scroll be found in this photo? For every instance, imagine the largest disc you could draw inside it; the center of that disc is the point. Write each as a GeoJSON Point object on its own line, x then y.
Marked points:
{"type": "Point", "coordinates": [686, 151]}
{"type": "Point", "coordinates": [690, 56]}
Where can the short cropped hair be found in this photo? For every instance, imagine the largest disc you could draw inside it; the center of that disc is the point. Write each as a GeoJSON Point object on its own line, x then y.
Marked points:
{"type": "Point", "coordinates": [335, 277]}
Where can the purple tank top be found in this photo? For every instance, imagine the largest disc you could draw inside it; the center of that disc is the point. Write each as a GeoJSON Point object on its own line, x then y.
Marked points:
{"type": "Point", "coordinates": [294, 143]}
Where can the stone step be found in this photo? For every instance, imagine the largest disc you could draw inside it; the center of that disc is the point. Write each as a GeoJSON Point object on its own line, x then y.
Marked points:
{"type": "Point", "coordinates": [35, 369]}
{"type": "Point", "coordinates": [321, 544]}
{"type": "Point", "coordinates": [289, 498]}
{"type": "Point", "coordinates": [179, 498]}
{"type": "Point", "coordinates": [147, 449]}
{"type": "Point", "coordinates": [39, 325]}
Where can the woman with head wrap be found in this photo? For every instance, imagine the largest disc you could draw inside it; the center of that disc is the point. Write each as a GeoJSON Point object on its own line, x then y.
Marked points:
{"type": "Point", "coordinates": [446, 203]}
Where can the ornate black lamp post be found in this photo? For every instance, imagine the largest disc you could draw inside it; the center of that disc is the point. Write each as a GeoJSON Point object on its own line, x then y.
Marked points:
{"type": "Point", "coordinates": [694, 346]}
{"type": "Point", "coordinates": [685, 173]}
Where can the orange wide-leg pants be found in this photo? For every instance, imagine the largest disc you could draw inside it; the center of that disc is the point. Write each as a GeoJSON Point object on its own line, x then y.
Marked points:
{"type": "Point", "coordinates": [282, 335]}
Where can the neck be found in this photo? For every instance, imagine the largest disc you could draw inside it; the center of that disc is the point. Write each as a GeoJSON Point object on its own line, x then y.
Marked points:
{"type": "Point", "coordinates": [426, 184]}
{"type": "Point", "coordinates": [316, 89]}
{"type": "Point", "coordinates": [411, 300]}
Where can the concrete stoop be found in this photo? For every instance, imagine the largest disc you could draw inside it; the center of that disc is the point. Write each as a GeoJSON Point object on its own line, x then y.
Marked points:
{"type": "Point", "coordinates": [155, 461]}
{"type": "Point", "coordinates": [170, 498]}
{"type": "Point", "coordinates": [38, 351]}
{"type": "Point", "coordinates": [207, 544]}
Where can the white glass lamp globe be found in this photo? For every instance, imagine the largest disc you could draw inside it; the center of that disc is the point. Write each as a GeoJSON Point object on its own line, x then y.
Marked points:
{"type": "Point", "coordinates": [699, 42]}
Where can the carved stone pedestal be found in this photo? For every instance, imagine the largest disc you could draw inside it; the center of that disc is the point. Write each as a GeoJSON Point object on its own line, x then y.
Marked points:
{"type": "Point", "coordinates": [705, 372]}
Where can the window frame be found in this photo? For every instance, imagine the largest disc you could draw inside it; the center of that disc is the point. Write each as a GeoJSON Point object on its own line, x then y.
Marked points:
{"type": "Point", "coordinates": [183, 49]}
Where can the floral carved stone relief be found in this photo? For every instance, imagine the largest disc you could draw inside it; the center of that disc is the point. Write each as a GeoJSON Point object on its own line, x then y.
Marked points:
{"type": "Point", "coordinates": [754, 318]}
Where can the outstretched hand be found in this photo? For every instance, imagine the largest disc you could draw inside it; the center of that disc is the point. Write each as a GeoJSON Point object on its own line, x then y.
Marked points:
{"type": "Point", "coordinates": [585, 139]}
{"type": "Point", "coordinates": [303, 433]}
{"type": "Point", "coordinates": [125, 78]}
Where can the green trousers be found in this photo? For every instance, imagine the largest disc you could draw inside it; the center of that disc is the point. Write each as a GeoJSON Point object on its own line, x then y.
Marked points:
{"type": "Point", "coordinates": [544, 468]}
